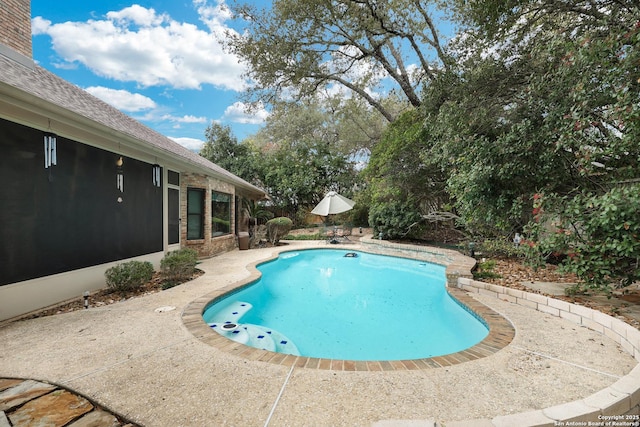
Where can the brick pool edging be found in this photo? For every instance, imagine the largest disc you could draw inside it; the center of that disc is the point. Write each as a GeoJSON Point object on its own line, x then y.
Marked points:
{"type": "Point", "coordinates": [620, 398]}
{"type": "Point", "coordinates": [501, 331]}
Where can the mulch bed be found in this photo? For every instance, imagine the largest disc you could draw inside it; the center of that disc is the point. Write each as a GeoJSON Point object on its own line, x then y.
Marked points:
{"type": "Point", "coordinates": [106, 297]}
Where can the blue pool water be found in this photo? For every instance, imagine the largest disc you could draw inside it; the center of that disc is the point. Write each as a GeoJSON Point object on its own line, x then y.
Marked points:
{"type": "Point", "coordinates": [320, 303]}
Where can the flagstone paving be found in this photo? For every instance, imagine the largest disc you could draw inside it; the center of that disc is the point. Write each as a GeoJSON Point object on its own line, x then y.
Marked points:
{"type": "Point", "coordinates": [34, 403]}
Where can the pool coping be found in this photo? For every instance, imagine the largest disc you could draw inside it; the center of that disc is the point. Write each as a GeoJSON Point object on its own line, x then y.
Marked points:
{"type": "Point", "coordinates": [501, 331]}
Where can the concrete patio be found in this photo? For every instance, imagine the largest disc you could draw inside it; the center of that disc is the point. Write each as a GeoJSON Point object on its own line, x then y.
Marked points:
{"type": "Point", "coordinates": [138, 359]}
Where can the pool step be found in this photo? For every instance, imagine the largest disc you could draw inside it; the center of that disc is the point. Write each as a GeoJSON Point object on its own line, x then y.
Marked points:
{"type": "Point", "coordinates": [232, 313]}
{"type": "Point", "coordinates": [258, 337]}
{"type": "Point", "coordinates": [283, 344]}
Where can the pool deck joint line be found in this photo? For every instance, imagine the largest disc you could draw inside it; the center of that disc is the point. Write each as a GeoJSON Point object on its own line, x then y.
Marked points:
{"type": "Point", "coordinates": [547, 356]}
{"type": "Point", "coordinates": [275, 404]}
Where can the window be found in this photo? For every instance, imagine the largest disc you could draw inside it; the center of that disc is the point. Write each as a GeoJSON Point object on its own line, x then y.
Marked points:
{"type": "Point", "coordinates": [173, 178]}
{"type": "Point", "coordinates": [220, 214]}
{"type": "Point", "coordinates": [195, 213]}
{"type": "Point", "coordinates": [173, 227]}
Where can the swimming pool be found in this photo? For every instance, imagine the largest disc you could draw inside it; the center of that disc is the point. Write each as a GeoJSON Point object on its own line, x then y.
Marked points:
{"type": "Point", "coordinates": [321, 303]}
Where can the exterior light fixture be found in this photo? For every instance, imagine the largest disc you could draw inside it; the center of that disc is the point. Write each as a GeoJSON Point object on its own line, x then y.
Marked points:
{"type": "Point", "coordinates": [156, 175]}
{"type": "Point", "coordinates": [120, 175]}
{"type": "Point", "coordinates": [50, 150]}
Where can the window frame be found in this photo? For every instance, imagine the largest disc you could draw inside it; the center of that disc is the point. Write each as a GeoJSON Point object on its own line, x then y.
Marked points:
{"type": "Point", "coordinates": [216, 225]}
{"type": "Point", "coordinates": [195, 214]}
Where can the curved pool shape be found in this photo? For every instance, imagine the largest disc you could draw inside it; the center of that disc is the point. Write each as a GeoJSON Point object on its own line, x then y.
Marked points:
{"type": "Point", "coordinates": [338, 304]}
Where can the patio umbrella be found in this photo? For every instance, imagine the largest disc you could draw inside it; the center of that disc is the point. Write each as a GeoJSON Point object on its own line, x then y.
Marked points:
{"type": "Point", "coordinates": [333, 203]}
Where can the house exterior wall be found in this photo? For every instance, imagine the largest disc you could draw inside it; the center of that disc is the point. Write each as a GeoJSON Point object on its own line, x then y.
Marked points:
{"type": "Point", "coordinates": [15, 26]}
{"type": "Point", "coordinates": [63, 226]}
{"type": "Point", "coordinates": [209, 245]}
{"type": "Point", "coordinates": [71, 214]}
{"type": "Point", "coordinates": [59, 235]}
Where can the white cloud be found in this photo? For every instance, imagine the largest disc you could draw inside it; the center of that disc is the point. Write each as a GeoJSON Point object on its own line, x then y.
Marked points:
{"type": "Point", "coordinates": [239, 112]}
{"type": "Point", "coordinates": [137, 44]}
{"type": "Point", "coordinates": [213, 16]}
{"type": "Point", "coordinates": [184, 119]}
{"type": "Point", "coordinates": [122, 99]}
{"type": "Point", "coordinates": [138, 15]}
{"type": "Point", "coordinates": [192, 144]}
{"type": "Point", "coordinates": [39, 26]}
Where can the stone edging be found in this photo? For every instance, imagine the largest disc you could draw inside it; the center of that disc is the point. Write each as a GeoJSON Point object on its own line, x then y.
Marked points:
{"type": "Point", "coordinates": [622, 397]}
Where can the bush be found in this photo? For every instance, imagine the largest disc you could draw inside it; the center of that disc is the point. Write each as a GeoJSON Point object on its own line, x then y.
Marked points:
{"type": "Point", "coordinates": [277, 228]}
{"type": "Point", "coordinates": [484, 270]}
{"type": "Point", "coordinates": [315, 236]}
{"type": "Point", "coordinates": [596, 235]}
{"type": "Point", "coordinates": [395, 219]}
{"type": "Point", "coordinates": [178, 266]}
{"type": "Point", "coordinates": [128, 276]}
{"type": "Point", "coordinates": [496, 248]}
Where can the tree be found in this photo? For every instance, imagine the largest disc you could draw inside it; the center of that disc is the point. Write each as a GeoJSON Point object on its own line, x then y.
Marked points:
{"type": "Point", "coordinates": [223, 149]}
{"type": "Point", "coordinates": [398, 168]}
{"type": "Point", "coordinates": [536, 103]}
{"type": "Point", "coordinates": [300, 46]}
{"type": "Point", "coordinates": [573, 121]}
{"type": "Point", "coordinates": [298, 158]}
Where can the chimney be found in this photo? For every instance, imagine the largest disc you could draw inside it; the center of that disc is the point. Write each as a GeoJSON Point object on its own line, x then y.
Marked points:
{"type": "Point", "coordinates": [15, 29]}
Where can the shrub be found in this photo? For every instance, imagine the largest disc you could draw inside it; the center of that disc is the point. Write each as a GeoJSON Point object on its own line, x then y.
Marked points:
{"type": "Point", "coordinates": [497, 248]}
{"type": "Point", "coordinates": [395, 219]}
{"type": "Point", "coordinates": [128, 276]}
{"type": "Point", "coordinates": [178, 266]}
{"type": "Point", "coordinates": [315, 236]}
{"type": "Point", "coordinates": [484, 270]}
{"type": "Point", "coordinates": [597, 235]}
{"type": "Point", "coordinates": [277, 228]}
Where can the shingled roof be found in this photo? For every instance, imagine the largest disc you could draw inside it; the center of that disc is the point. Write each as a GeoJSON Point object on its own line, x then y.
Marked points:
{"type": "Point", "coordinates": [47, 86]}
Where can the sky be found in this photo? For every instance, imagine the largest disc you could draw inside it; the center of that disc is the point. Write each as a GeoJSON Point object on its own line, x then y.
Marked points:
{"type": "Point", "coordinates": [159, 61]}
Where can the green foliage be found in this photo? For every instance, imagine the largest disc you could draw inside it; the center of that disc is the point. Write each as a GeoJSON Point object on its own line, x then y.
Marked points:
{"type": "Point", "coordinates": [277, 228]}
{"type": "Point", "coordinates": [484, 270]}
{"type": "Point", "coordinates": [178, 266]}
{"type": "Point", "coordinates": [299, 155]}
{"type": "Point", "coordinates": [253, 209]}
{"type": "Point", "coordinates": [552, 108]}
{"type": "Point", "coordinates": [399, 166]}
{"type": "Point", "coordinates": [394, 219]}
{"type": "Point", "coordinates": [222, 148]}
{"type": "Point", "coordinates": [303, 151]}
{"type": "Point", "coordinates": [128, 276]}
{"type": "Point", "coordinates": [498, 248]}
{"type": "Point", "coordinates": [302, 237]}
{"type": "Point", "coordinates": [598, 234]}
{"type": "Point", "coordinates": [359, 215]}
{"type": "Point", "coordinates": [302, 47]}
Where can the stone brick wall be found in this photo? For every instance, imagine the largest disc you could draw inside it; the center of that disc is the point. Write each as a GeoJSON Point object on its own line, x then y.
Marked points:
{"type": "Point", "coordinates": [208, 246]}
{"type": "Point", "coordinates": [15, 26]}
